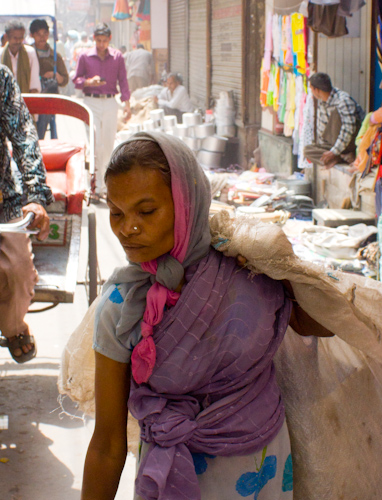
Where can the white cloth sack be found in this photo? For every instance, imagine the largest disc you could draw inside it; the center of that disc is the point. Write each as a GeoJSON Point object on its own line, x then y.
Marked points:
{"type": "Point", "coordinates": [331, 386]}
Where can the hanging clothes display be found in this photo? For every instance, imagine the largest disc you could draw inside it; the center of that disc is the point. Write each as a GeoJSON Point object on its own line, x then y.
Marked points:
{"type": "Point", "coordinates": [284, 72]}
{"type": "Point", "coordinates": [306, 135]}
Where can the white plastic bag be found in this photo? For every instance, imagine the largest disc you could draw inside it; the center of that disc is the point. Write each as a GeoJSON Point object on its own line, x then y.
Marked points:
{"type": "Point", "coordinates": [76, 377]}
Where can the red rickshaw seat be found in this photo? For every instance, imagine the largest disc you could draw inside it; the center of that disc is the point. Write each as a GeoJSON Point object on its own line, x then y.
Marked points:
{"type": "Point", "coordinates": [65, 165]}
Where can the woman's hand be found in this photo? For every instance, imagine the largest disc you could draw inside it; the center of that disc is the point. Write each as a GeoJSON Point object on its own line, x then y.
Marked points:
{"type": "Point", "coordinates": [300, 320]}
{"type": "Point", "coordinates": [108, 447]}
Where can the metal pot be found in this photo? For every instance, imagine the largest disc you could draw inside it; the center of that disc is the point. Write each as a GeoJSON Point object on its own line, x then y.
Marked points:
{"type": "Point", "coordinates": [180, 130]}
{"type": "Point", "coordinates": [214, 143]}
{"type": "Point", "coordinates": [192, 142]}
{"type": "Point", "coordinates": [298, 186]}
{"type": "Point", "coordinates": [204, 130]}
{"type": "Point", "coordinates": [135, 127]}
{"type": "Point", "coordinates": [148, 125]}
{"type": "Point", "coordinates": [226, 130]}
{"type": "Point", "coordinates": [191, 119]}
{"type": "Point", "coordinates": [157, 115]}
{"type": "Point", "coordinates": [209, 158]}
{"type": "Point", "coordinates": [170, 121]}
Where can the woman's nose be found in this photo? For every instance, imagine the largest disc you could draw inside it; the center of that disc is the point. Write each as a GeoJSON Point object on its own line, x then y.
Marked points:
{"type": "Point", "coordinates": [129, 227]}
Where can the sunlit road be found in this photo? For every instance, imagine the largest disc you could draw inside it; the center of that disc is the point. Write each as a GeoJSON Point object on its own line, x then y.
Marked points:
{"type": "Point", "coordinates": [42, 450]}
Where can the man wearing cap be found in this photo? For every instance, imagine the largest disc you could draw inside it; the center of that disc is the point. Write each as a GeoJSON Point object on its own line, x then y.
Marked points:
{"type": "Point", "coordinates": [98, 72]}
{"type": "Point", "coordinates": [21, 59]}
{"type": "Point", "coordinates": [339, 119]}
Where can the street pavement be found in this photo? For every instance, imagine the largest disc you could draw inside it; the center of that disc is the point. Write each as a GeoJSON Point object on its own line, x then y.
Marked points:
{"type": "Point", "coordinates": [43, 440]}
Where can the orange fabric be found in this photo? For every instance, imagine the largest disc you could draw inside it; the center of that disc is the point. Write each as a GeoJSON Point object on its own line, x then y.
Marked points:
{"type": "Point", "coordinates": [376, 117]}
{"type": "Point", "coordinates": [361, 160]}
{"type": "Point", "coordinates": [264, 86]}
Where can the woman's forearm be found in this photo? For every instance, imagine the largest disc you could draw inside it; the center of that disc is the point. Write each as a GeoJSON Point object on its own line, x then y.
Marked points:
{"type": "Point", "coordinates": [102, 473]}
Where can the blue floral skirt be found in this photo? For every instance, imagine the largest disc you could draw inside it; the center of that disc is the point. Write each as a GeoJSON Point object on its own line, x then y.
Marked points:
{"type": "Point", "coordinates": [265, 475]}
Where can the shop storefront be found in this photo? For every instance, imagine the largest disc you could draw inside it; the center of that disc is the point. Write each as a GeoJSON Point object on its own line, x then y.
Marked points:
{"type": "Point", "coordinates": [292, 51]}
{"type": "Point", "coordinates": [178, 38]}
{"type": "Point", "coordinates": [216, 45]}
{"type": "Point", "coordinates": [198, 43]}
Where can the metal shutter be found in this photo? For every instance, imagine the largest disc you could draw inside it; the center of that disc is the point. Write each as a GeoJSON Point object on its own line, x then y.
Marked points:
{"type": "Point", "coordinates": [179, 38]}
{"type": "Point", "coordinates": [226, 49]}
{"type": "Point", "coordinates": [198, 52]}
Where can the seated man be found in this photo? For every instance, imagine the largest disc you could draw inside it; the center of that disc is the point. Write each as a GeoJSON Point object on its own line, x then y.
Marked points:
{"type": "Point", "coordinates": [339, 119]}
{"type": "Point", "coordinates": [17, 273]}
{"type": "Point", "coordinates": [174, 98]}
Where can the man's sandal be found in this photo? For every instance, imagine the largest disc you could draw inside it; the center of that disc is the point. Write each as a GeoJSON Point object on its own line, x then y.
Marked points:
{"type": "Point", "coordinates": [17, 342]}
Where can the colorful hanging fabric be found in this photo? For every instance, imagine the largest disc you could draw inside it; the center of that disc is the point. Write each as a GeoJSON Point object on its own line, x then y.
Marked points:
{"type": "Point", "coordinates": [288, 57]}
{"type": "Point", "coordinates": [268, 44]}
{"type": "Point", "coordinates": [121, 10]}
{"type": "Point", "coordinates": [306, 131]}
{"type": "Point", "coordinates": [264, 82]}
{"type": "Point", "coordinates": [298, 42]}
{"type": "Point", "coordinates": [143, 13]}
{"type": "Point", "coordinates": [276, 37]}
{"type": "Point", "coordinates": [283, 97]}
{"type": "Point", "coordinates": [271, 86]}
{"type": "Point", "coordinates": [290, 105]}
{"type": "Point", "coordinates": [276, 92]}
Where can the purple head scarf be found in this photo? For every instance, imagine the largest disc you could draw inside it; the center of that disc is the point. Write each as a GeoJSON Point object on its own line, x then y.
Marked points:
{"type": "Point", "coordinates": [192, 197]}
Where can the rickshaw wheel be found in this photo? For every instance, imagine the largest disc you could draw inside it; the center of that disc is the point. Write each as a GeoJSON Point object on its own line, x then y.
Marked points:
{"type": "Point", "coordinates": [92, 257]}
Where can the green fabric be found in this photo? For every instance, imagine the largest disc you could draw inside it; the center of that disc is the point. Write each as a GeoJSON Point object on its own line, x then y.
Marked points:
{"type": "Point", "coordinates": [283, 99]}
{"type": "Point", "coordinates": [23, 68]}
{"type": "Point", "coordinates": [365, 125]}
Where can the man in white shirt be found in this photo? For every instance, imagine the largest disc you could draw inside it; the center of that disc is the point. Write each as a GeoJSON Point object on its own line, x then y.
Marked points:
{"type": "Point", "coordinates": [21, 59]}
{"type": "Point", "coordinates": [140, 68]}
{"type": "Point", "coordinates": [174, 98]}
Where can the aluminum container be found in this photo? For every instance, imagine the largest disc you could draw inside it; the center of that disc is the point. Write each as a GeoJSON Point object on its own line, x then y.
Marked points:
{"type": "Point", "coordinates": [180, 130]}
{"type": "Point", "coordinates": [226, 130]}
{"type": "Point", "coordinates": [157, 115]}
{"type": "Point", "coordinates": [209, 158]}
{"type": "Point", "coordinates": [204, 130]}
{"type": "Point", "coordinates": [148, 125]}
{"type": "Point", "coordinates": [192, 142]}
{"type": "Point", "coordinates": [298, 186]}
{"type": "Point", "coordinates": [135, 127]}
{"type": "Point", "coordinates": [170, 121]}
{"type": "Point", "coordinates": [191, 119]}
{"type": "Point", "coordinates": [214, 143]}
{"type": "Point", "coordinates": [191, 131]}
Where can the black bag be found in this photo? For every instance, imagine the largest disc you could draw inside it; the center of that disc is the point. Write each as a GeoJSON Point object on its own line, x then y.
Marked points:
{"type": "Point", "coordinates": [49, 86]}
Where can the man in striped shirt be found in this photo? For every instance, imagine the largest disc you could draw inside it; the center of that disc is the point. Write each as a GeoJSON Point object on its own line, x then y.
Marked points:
{"type": "Point", "coordinates": [339, 119]}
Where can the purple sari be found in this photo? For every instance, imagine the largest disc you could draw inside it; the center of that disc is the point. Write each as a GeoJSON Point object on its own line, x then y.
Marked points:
{"type": "Point", "coordinates": [213, 388]}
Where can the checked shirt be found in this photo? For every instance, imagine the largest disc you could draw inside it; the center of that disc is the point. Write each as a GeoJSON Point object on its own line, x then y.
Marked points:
{"type": "Point", "coordinates": [351, 115]}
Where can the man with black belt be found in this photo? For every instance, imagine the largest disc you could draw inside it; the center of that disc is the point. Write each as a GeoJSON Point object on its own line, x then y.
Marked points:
{"type": "Point", "coordinates": [98, 71]}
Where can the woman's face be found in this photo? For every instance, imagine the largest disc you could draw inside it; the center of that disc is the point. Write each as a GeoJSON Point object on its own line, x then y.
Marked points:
{"type": "Point", "coordinates": [141, 213]}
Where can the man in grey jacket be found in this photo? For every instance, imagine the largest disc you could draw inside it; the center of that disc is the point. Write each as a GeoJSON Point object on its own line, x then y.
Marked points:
{"type": "Point", "coordinates": [140, 68]}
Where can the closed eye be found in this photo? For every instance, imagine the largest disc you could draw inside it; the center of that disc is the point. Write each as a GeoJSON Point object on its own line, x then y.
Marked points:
{"type": "Point", "coordinates": [147, 212]}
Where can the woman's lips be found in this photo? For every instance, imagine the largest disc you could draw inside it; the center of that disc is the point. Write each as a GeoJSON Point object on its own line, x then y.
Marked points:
{"type": "Point", "coordinates": [131, 246]}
